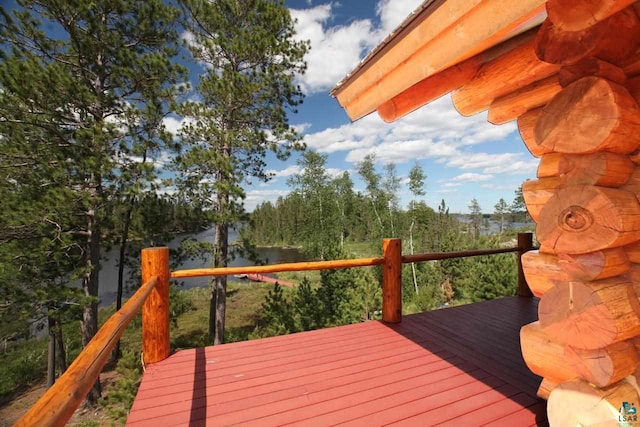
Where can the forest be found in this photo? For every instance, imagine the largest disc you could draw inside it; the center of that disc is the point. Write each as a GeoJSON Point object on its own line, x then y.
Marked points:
{"type": "Point", "coordinates": [327, 218]}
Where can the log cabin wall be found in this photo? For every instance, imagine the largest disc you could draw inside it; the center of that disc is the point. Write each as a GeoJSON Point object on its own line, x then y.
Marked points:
{"type": "Point", "coordinates": [577, 111]}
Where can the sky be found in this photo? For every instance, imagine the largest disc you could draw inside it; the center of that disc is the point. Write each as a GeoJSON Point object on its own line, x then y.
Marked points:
{"type": "Point", "coordinates": [463, 157]}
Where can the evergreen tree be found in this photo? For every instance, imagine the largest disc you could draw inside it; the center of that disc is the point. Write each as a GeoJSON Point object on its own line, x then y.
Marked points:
{"type": "Point", "coordinates": [250, 59]}
{"type": "Point", "coordinates": [476, 218]}
{"type": "Point", "coordinates": [518, 208]}
{"type": "Point", "coordinates": [73, 97]}
{"type": "Point", "coordinates": [500, 209]}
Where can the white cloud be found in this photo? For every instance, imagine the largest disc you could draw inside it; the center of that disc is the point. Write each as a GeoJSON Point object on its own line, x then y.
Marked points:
{"type": "Point", "coordinates": [472, 177]}
{"type": "Point", "coordinates": [393, 12]}
{"type": "Point", "coordinates": [255, 197]}
{"type": "Point", "coordinates": [288, 171]}
{"type": "Point", "coordinates": [335, 50]}
{"type": "Point", "coordinates": [174, 124]}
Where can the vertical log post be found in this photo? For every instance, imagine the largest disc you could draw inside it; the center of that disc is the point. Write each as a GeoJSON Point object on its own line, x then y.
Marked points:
{"type": "Point", "coordinates": [392, 281]}
{"type": "Point", "coordinates": [155, 312]}
{"type": "Point", "coordinates": [525, 244]}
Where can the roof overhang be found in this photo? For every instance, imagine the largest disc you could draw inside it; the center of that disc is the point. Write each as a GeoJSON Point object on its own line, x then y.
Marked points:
{"type": "Point", "coordinates": [438, 36]}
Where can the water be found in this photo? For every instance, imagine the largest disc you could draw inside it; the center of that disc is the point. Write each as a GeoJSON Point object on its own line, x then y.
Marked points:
{"type": "Point", "coordinates": [109, 271]}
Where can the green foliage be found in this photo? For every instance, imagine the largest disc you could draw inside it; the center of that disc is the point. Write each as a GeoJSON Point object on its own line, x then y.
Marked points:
{"type": "Point", "coordinates": [306, 306]}
{"type": "Point", "coordinates": [250, 59]}
{"type": "Point", "coordinates": [21, 364]}
{"type": "Point", "coordinates": [277, 315]}
{"type": "Point", "coordinates": [118, 398]}
{"type": "Point", "coordinates": [179, 303]}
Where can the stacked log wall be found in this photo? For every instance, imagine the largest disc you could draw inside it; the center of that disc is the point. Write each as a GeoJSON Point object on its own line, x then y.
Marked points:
{"type": "Point", "coordinates": [585, 202]}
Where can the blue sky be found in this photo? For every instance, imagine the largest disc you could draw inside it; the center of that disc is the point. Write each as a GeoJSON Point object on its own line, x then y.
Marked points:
{"type": "Point", "coordinates": [463, 157]}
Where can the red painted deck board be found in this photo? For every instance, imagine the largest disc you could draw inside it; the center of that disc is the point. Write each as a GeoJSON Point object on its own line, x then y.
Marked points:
{"type": "Point", "coordinates": [456, 366]}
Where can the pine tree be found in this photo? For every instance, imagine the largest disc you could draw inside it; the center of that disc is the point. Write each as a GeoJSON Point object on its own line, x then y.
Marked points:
{"type": "Point", "coordinates": [81, 83]}
{"type": "Point", "coordinates": [500, 209]}
{"type": "Point", "coordinates": [250, 60]}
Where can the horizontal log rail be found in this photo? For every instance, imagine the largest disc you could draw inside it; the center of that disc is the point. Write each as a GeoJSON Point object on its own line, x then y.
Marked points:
{"type": "Point", "coordinates": [436, 256]}
{"type": "Point", "coordinates": [278, 268]}
{"type": "Point", "coordinates": [58, 404]}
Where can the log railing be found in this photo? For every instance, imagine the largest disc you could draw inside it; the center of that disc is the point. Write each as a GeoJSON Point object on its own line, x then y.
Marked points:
{"type": "Point", "coordinates": [57, 405]}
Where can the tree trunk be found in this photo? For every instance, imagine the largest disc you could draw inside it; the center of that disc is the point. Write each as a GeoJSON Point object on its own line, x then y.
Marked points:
{"type": "Point", "coordinates": [121, 260]}
{"type": "Point", "coordinates": [61, 355]}
{"type": "Point", "coordinates": [413, 266]}
{"type": "Point", "coordinates": [51, 355]}
{"type": "Point", "coordinates": [89, 324]}
{"type": "Point", "coordinates": [218, 303]}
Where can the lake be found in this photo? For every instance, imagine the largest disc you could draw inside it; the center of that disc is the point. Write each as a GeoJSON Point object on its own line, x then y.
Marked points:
{"type": "Point", "coordinates": [109, 271]}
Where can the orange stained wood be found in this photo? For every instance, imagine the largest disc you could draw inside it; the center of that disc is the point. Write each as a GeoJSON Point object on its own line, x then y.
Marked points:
{"type": "Point", "coordinates": [155, 312]}
{"type": "Point", "coordinates": [277, 268]}
{"type": "Point", "coordinates": [63, 398]}
{"type": "Point", "coordinates": [456, 366]}
{"type": "Point", "coordinates": [392, 280]}
{"type": "Point", "coordinates": [442, 35]}
{"type": "Point", "coordinates": [522, 67]}
{"type": "Point", "coordinates": [511, 106]}
{"type": "Point", "coordinates": [576, 15]}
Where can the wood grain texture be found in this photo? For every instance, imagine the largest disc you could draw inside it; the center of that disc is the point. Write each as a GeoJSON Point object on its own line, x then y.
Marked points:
{"type": "Point", "coordinates": [538, 192]}
{"type": "Point", "coordinates": [526, 127]}
{"type": "Point", "coordinates": [596, 265]}
{"type": "Point", "coordinates": [521, 65]}
{"type": "Point", "coordinates": [591, 114]}
{"type": "Point", "coordinates": [155, 312]}
{"type": "Point", "coordinates": [392, 281]}
{"type": "Point", "coordinates": [590, 315]}
{"type": "Point", "coordinates": [591, 67]}
{"type": "Point", "coordinates": [576, 15]}
{"type": "Point", "coordinates": [580, 219]}
{"type": "Point", "coordinates": [429, 89]}
{"type": "Point", "coordinates": [590, 405]}
{"type": "Point", "coordinates": [511, 106]}
{"type": "Point", "coordinates": [601, 168]}
{"type": "Point", "coordinates": [543, 356]}
{"type": "Point", "coordinates": [543, 272]}
{"type": "Point", "coordinates": [559, 46]}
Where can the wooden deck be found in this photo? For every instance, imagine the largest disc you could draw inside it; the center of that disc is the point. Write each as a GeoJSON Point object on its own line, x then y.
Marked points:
{"type": "Point", "coordinates": [456, 366]}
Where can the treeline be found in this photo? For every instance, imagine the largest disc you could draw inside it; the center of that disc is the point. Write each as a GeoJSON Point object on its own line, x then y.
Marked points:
{"type": "Point", "coordinates": [323, 214]}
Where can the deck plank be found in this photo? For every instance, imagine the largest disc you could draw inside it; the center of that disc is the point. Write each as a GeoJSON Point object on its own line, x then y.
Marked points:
{"type": "Point", "coordinates": [455, 366]}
